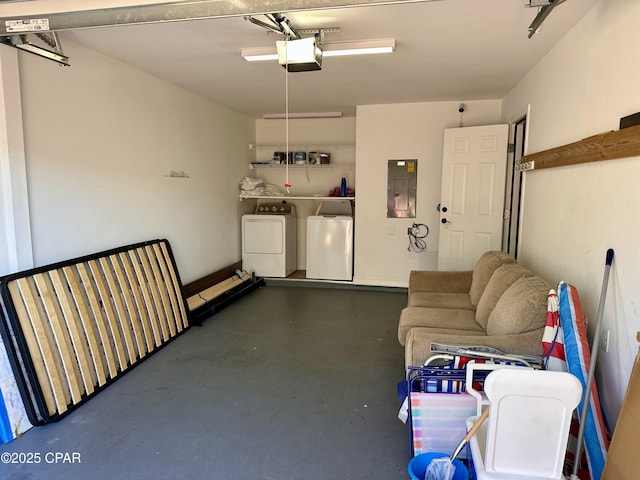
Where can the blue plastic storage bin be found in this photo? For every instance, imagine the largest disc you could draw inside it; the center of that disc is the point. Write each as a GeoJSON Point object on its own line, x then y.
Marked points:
{"type": "Point", "coordinates": [418, 466]}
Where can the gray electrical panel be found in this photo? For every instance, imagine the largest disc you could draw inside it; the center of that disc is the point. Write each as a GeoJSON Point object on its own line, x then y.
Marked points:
{"type": "Point", "coordinates": [401, 188]}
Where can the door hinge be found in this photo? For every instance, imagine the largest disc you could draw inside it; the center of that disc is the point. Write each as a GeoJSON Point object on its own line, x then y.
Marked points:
{"type": "Point", "coordinates": [511, 147]}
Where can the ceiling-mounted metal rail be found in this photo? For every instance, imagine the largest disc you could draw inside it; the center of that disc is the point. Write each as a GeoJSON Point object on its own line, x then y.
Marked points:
{"type": "Point", "coordinates": [171, 12]}
{"type": "Point", "coordinates": [43, 44]}
{"type": "Point", "coordinates": [285, 25]}
{"type": "Point", "coordinates": [544, 12]}
{"type": "Point", "coordinates": [265, 25]}
{"type": "Point", "coordinates": [279, 24]}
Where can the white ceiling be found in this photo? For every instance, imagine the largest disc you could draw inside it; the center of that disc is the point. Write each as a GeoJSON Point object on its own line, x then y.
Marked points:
{"type": "Point", "coordinates": [445, 50]}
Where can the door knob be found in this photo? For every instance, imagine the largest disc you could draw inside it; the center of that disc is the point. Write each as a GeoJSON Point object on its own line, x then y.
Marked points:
{"type": "Point", "coordinates": [444, 220]}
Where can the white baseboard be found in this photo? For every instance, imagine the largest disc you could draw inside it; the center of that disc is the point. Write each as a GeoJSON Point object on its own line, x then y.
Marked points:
{"type": "Point", "coordinates": [380, 283]}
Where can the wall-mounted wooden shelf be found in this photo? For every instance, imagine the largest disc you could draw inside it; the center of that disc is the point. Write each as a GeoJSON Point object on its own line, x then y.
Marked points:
{"type": "Point", "coordinates": [605, 146]}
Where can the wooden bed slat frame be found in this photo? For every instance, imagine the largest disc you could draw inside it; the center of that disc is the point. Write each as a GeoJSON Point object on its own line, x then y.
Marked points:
{"type": "Point", "coordinates": [74, 327]}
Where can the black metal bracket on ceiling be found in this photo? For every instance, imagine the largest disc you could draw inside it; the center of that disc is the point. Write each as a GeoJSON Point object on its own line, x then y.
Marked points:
{"type": "Point", "coordinates": [279, 24]}
{"type": "Point", "coordinates": [43, 44]}
{"type": "Point", "coordinates": [545, 7]}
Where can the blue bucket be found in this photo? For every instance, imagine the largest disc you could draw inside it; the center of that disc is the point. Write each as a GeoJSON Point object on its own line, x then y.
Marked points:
{"type": "Point", "coordinates": [418, 466]}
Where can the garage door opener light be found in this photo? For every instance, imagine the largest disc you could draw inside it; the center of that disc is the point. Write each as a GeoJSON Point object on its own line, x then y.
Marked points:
{"type": "Point", "coordinates": [333, 49]}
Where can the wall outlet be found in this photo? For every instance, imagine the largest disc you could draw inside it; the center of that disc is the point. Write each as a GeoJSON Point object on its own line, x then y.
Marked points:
{"type": "Point", "coordinates": [604, 341]}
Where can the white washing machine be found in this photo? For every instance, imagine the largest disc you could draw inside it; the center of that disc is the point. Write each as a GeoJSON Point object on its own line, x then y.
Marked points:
{"type": "Point", "coordinates": [269, 240]}
{"type": "Point", "coordinates": [330, 244]}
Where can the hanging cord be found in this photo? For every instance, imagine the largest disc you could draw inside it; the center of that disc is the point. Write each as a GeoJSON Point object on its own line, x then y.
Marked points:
{"type": "Point", "coordinates": [306, 166]}
{"type": "Point", "coordinates": [287, 185]}
{"type": "Point", "coordinates": [416, 237]}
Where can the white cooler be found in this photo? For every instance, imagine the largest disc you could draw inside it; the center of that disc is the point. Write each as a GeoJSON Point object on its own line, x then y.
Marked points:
{"type": "Point", "coordinates": [525, 437]}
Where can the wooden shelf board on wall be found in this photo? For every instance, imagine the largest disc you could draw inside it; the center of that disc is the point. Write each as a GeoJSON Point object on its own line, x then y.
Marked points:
{"type": "Point", "coordinates": [605, 146]}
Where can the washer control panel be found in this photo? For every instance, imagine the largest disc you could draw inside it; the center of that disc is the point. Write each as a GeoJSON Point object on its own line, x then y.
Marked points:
{"type": "Point", "coordinates": [276, 208]}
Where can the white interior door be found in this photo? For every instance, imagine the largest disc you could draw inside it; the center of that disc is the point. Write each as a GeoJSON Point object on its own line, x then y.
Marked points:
{"type": "Point", "coordinates": [472, 197]}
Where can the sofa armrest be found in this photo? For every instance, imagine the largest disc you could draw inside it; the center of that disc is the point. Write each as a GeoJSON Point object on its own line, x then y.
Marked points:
{"type": "Point", "coordinates": [436, 281]}
{"type": "Point", "coordinates": [418, 342]}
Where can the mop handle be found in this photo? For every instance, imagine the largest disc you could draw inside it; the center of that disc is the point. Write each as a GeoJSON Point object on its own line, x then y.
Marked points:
{"type": "Point", "coordinates": [592, 366]}
{"type": "Point", "coordinates": [476, 425]}
{"type": "Point", "coordinates": [470, 433]}
{"type": "Point", "coordinates": [609, 259]}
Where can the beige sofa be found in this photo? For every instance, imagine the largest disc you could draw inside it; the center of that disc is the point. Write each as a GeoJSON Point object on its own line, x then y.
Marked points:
{"type": "Point", "coordinates": [498, 304]}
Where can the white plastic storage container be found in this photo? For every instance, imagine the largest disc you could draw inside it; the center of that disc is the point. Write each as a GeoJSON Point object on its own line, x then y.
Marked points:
{"type": "Point", "coordinates": [526, 435]}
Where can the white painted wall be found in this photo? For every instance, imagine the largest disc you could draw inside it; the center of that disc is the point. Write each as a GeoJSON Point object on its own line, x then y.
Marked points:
{"type": "Point", "coordinates": [402, 131]}
{"type": "Point", "coordinates": [101, 138]}
{"type": "Point", "coordinates": [572, 215]}
{"type": "Point", "coordinates": [336, 136]}
{"type": "Point", "coordinates": [15, 229]}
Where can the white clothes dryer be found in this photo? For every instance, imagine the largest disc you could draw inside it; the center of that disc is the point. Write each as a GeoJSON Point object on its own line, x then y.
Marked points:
{"type": "Point", "coordinates": [269, 240]}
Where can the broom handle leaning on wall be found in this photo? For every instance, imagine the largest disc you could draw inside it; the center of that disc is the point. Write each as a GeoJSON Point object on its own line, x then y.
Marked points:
{"type": "Point", "coordinates": [472, 431]}
{"type": "Point", "coordinates": [592, 366]}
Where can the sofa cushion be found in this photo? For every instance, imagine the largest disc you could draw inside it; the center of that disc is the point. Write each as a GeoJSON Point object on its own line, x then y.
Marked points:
{"type": "Point", "coordinates": [504, 276]}
{"type": "Point", "coordinates": [450, 318]}
{"type": "Point", "coordinates": [484, 268]}
{"type": "Point", "coordinates": [439, 281]}
{"type": "Point", "coordinates": [440, 300]}
{"type": "Point", "coordinates": [418, 342]}
{"type": "Point", "coordinates": [521, 308]}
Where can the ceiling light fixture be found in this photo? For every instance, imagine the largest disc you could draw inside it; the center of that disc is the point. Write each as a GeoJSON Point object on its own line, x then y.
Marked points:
{"type": "Point", "coordinates": [334, 49]}
{"type": "Point", "coordinates": [359, 47]}
{"type": "Point", "coordinates": [279, 116]}
{"type": "Point", "coordinates": [259, 54]}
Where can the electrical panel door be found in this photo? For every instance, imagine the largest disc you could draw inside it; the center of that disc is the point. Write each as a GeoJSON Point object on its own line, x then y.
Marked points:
{"type": "Point", "coordinates": [401, 188]}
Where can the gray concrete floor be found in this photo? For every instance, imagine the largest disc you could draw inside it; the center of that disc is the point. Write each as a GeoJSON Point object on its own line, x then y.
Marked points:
{"type": "Point", "coordinates": [287, 383]}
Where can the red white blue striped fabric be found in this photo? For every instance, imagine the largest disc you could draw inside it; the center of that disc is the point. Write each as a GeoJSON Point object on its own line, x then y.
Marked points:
{"type": "Point", "coordinates": [439, 385]}
{"type": "Point", "coordinates": [576, 345]}
{"type": "Point", "coordinates": [553, 338]}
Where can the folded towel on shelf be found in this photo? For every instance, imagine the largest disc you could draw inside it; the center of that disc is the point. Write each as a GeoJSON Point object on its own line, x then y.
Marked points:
{"type": "Point", "coordinates": [255, 187]}
{"type": "Point", "coordinates": [251, 187]}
